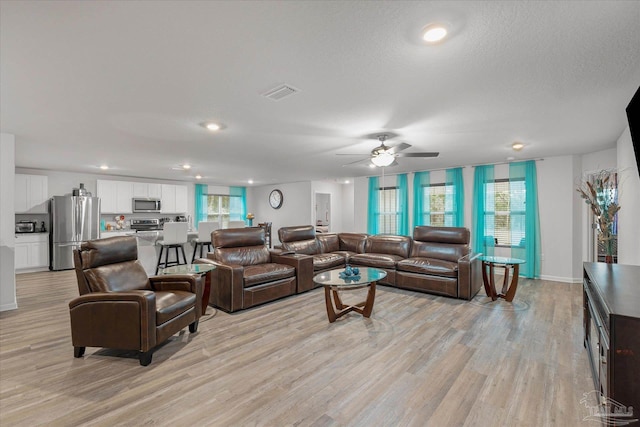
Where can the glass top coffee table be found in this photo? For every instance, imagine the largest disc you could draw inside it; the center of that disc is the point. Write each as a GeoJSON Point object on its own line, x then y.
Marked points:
{"type": "Point", "coordinates": [199, 269]}
{"type": "Point", "coordinates": [508, 291]}
{"type": "Point", "coordinates": [333, 283]}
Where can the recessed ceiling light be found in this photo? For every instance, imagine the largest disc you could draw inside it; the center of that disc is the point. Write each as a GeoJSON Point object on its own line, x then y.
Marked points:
{"type": "Point", "coordinates": [510, 158]}
{"type": "Point", "coordinates": [198, 176]}
{"type": "Point", "coordinates": [517, 146]}
{"type": "Point", "coordinates": [347, 181]}
{"type": "Point", "coordinates": [250, 181]}
{"type": "Point", "coordinates": [434, 33]}
{"type": "Point", "coordinates": [104, 167]}
{"type": "Point", "coordinates": [186, 166]}
{"type": "Point", "coordinates": [212, 126]}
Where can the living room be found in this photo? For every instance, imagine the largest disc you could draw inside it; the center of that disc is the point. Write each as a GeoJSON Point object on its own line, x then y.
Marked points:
{"type": "Point", "coordinates": [132, 87]}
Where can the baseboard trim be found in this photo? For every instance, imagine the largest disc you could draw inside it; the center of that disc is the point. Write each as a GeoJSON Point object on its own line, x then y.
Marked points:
{"type": "Point", "coordinates": [561, 279]}
{"type": "Point", "coordinates": [7, 307]}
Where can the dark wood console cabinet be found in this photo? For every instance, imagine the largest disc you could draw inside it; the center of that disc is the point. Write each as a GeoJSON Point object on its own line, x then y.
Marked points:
{"type": "Point", "coordinates": [612, 330]}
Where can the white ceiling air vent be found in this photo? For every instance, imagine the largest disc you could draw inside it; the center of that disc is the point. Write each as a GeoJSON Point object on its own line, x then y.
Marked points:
{"type": "Point", "coordinates": [280, 92]}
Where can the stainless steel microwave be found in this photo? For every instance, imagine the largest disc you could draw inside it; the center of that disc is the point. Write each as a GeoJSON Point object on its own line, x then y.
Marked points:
{"type": "Point", "coordinates": [143, 204]}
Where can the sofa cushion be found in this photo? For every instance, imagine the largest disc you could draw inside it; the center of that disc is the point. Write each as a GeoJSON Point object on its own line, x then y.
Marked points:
{"type": "Point", "coordinates": [328, 243]}
{"type": "Point", "coordinates": [170, 304]}
{"type": "Point", "coordinates": [444, 251]}
{"type": "Point", "coordinates": [324, 261]}
{"type": "Point", "coordinates": [123, 276]}
{"type": "Point", "coordinates": [389, 244]}
{"type": "Point", "coordinates": [352, 242]}
{"type": "Point", "coordinates": [375, 260]}
{"type": "Point", "coordinates": [262, 273]}
{"type": "Point", "coordinates": [250, 255]}
{"type": "Point", "coordinates": [431, 266]}
{"type": "Point", "coordinates": [307, 247]}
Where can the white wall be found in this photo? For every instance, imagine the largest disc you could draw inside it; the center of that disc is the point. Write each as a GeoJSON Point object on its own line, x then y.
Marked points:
{"type": "Point", "coordinates": [629, 199]}
{"type": "Point", "coordinates": [8, 299]}
{"type": "Point", "coordinates": [348, 204]}
{"type": "Point", "coordinates": [297, 206]}
{"type": "Point", "coordinates": [557, 200]}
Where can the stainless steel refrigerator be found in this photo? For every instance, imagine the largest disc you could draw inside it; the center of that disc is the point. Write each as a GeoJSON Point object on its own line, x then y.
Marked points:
{"type": "Point", "coordinates": [74, 219]}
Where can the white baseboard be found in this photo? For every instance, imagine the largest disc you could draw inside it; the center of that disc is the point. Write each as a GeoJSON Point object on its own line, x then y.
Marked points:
{"type": "Point", "coordinates": [7, 307]}
{"type": "Point", "coordinates": [562, 279]}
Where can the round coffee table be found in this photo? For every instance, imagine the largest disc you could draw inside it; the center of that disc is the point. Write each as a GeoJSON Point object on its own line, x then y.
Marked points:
{"type": "Point", "coordinates": [333, 283]}
{"type": "Point", "coordinates": [508, 291]}
{"type": "Point", "coordinates": [199, 269]}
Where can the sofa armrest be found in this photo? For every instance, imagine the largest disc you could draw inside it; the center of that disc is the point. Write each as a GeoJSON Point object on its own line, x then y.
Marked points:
{"type": "Point", "coordinates": [227, 285]}
{"type": "Point", "coordinates": [180, 282]}
{"type": "Point", "coordinates": [304, 269]}
{"type": "Point", "coordinates": [124, 320]}
{"type": "Point", "coordinates": [175, 282]}
{"type": "Point", "coordinates": [469, 275]}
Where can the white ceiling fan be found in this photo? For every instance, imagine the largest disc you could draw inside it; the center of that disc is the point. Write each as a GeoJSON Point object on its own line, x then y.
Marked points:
{"type": "Point", "coordinates": [384, 155]}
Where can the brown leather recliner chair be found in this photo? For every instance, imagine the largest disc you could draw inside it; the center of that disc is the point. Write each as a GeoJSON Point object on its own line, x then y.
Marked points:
{"type": "Point", "coordinates": [247, 273]}
{"type": "Point", "coordinates": [121, 307]}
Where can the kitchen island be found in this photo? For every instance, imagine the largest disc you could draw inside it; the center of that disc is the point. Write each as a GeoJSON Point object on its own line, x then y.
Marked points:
{"type": "Point", "coordinates": [148, 249]}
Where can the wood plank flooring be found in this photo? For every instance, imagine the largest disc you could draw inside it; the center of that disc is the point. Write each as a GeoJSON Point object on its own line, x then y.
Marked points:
{"type": "Point", "coordinates": [420, 360]}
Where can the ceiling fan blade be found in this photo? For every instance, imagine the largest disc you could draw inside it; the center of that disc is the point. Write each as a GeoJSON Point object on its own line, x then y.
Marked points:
{"type": "Point", "coordinates": [352, 154]}
{"type": "Point", "coordinates": [397, 148]}
{"type": "Point", "coordinates": [434, 154]}
{"type": "Point", "coordinates": [357, 161]}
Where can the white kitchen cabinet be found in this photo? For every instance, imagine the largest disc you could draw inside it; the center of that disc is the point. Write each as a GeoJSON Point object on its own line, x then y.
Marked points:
{"type": "Point", "coordinates": [181, 199]}
{"type": "Point", "coordinates": [147, 190]}
{"type": "Point", "coordinates": [31, 194]}
{"type": "Point", "coordinates": [168, 198]}
{"type": "Point", "coordinates": [115, 196]}
{"type": "Point", "coordinates": [32, 251]}
{"type": "Point", "coordinates": [140, 189]}
{"type": "Point", "coordinates": [174, 198]}
{"type": "Point", "coordinates": [155, 191]}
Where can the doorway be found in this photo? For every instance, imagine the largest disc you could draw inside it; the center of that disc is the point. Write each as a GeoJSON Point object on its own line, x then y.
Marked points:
{"type": "Point", "coordinates": [323, 212]}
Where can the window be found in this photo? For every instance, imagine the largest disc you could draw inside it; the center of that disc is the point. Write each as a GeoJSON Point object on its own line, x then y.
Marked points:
{"type": "Point", "coordinates": [219, 208]}
{"type": "Point", "coordinates": [388, 210]}
{"type": "Point", "coordinates": [440, 197]}
{"type": "Point", "coordinates": [505, 211]}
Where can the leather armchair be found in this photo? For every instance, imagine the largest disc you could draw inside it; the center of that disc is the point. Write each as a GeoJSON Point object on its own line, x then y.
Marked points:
{"type": "Point", "coordinates": [121, 307]}
{"type": "Point", "coordinates": [248, 273]}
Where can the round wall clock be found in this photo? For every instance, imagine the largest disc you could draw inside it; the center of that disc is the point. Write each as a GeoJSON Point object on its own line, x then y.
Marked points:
{"type": "Point", "coordinates": [276, 199]}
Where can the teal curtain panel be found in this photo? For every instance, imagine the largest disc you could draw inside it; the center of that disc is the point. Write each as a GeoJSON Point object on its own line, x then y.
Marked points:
{"type": "Point", "coordinates": [201, 193]}
{"type": "Point", "coordinates": [525, 219]}
{"type": "Point", "coordinates": [237, 203]}
{"type": "Point", "coordinates": [483, 210]}
{"type": "Point", "coordinates": [373, 205]}
{"type": "Point", "coordinates": [403, 205]}
{"type": "Point", "coordinates": [421, 181]}
{"type": "Point", "coordinates": [454, 198]}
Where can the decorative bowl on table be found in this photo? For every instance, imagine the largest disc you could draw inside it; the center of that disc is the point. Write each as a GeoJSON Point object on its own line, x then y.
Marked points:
{"type": "Point", "coordinates": [350, 273]}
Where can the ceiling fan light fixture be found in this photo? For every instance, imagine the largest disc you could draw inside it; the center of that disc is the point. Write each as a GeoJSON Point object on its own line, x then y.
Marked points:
{"type": "Point", "coordinates": [434, 33]}
{"type": "Point", "coordinates": [383, 159]}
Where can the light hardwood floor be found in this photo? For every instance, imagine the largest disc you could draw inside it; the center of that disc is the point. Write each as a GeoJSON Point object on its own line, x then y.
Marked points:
{"type": "Point", "coordinates": [420, 360]}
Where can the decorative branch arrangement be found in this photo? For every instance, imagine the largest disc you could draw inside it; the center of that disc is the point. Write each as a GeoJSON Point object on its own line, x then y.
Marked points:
{"type": "Point", "coordinates": [602, 197]}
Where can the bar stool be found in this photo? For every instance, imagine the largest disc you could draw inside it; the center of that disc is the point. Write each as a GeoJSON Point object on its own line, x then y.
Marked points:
{"type": "Point", "coordinates": [174, 235]}
{"type": "Point", "coordinates": [237, 224]}
{"type": "Point", "coordinates": [205, 228]}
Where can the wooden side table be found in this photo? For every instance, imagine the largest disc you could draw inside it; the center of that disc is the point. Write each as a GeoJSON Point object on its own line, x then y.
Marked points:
{"type": "Point", "coordinates": [199, 269]}
{"type": "Point", "coordinates": [508, 290]}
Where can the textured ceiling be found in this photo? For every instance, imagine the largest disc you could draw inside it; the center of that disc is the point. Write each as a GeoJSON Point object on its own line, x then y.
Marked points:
{"type": "Point", "coordinates": [128, 84]}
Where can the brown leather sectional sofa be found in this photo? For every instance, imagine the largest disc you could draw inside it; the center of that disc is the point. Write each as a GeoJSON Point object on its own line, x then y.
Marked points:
{"type": "Point", "coordinates": [436, 260]}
